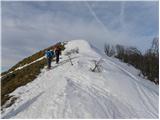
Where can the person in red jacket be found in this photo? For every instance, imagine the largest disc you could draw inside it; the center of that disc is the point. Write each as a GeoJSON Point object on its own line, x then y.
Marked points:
{"type": "Point", "coordinates": [57, 53]}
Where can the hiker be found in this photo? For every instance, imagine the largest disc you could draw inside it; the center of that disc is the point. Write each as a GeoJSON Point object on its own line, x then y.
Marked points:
{"type": "Point", "coordinates": [57, 53]}
{"type": "Point", "coordinates": [49, 55]}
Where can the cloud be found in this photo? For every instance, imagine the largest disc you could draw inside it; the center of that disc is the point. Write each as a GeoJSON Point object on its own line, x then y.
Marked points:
{"type": "Point", "coordinates": [28, 27]}
{"type": "Point", "coordinates": [122, 12]}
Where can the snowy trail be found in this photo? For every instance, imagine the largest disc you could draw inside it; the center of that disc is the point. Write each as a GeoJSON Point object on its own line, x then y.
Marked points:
{"type": "Point", "coordinates": [141, 91]}
{"type": "Point", "coordinates": [68, 91]}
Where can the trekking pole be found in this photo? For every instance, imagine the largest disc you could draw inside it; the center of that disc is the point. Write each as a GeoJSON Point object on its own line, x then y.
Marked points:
{"type": "Point", "coordinates": [70, 60]}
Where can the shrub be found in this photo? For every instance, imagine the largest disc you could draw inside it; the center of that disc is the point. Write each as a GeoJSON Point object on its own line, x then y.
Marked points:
{"type": "Point", "coordinates": [148, 63]}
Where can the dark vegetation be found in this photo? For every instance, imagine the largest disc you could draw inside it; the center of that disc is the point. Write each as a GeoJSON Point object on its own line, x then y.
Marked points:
{"type": "Point", "coordinates": [17, 78]}
{"type": "Point", "coordinates": [148, 62]}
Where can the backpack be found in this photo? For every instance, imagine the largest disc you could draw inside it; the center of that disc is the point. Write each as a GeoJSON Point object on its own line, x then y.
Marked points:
{"type": "Point", "coordinates": [48, 54]}
{"type": "Point", "coordinates": [52, 53]}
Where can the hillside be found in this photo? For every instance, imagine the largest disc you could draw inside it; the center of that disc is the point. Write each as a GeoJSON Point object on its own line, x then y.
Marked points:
{"type": "Point", "coordinates": [22, 73]}
{"type": "Point", "coordinates": [74, 91]}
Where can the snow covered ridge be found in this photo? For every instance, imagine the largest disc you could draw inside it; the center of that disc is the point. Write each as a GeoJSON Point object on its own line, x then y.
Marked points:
{"type": "Point", "coordinates": [68, 91]}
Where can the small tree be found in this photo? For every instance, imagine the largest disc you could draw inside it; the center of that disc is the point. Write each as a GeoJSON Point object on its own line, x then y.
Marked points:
{"type": "Point", "coordinates": [120, 51]}
{"type": "Point", "coordinates": [109, 50]}
{"type": "Point", "coordinates": [72, 51]}
{"type": "Point", "coordinates": [155, 46]}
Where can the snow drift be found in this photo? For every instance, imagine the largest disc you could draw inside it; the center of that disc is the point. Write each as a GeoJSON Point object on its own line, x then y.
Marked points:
{"type": "Point", "coordinates": [68, 91]}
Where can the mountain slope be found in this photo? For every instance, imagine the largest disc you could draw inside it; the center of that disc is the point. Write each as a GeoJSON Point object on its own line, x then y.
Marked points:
{"type": "Point", "coordinates": [68, 91]}
{"type": "Point", "coordinates": [22, 73]}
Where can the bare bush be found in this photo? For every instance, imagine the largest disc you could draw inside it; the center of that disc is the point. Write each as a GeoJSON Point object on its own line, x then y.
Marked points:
{"type": "Point", "coordinates": [72, 51]}
{"type": "Point", "coordinates": [148, 63]}
{"type": "Point", "coordinates": [69, 53]}
{"type": "Point", "coordinates": [97, 65]}
{"type": "Point", "coordinates": [109, 50]}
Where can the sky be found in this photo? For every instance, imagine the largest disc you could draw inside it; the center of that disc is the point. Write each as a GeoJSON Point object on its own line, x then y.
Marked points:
{"type": "Point", "coordinates": [30, 26]}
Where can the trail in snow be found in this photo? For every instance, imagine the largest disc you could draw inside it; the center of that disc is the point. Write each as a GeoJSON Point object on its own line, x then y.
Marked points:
{"type": "Point", "coordinates": [142, 94]}
{"type": "Point", "coordinates": [68, 91]}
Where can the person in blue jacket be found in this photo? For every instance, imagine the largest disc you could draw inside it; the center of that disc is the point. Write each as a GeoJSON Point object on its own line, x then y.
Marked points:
{"type": "Point", "coordinates": [49, 55]}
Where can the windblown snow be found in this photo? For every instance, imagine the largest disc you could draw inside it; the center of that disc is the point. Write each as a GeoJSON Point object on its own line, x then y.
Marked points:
{"type": "Point", "coordinates": [68, 91]}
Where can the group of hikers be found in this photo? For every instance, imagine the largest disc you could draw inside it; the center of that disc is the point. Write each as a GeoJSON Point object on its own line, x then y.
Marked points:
{"type": "Point", "coordinates": [50, 54]}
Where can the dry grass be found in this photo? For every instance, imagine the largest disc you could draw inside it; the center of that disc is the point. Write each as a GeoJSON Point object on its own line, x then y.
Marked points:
{"type": "Point", "coordinates": [21, 77]}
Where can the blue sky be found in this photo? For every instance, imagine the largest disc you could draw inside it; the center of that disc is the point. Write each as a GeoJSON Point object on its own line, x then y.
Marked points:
{"type": "Point", "coordinates": [28, 27]}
